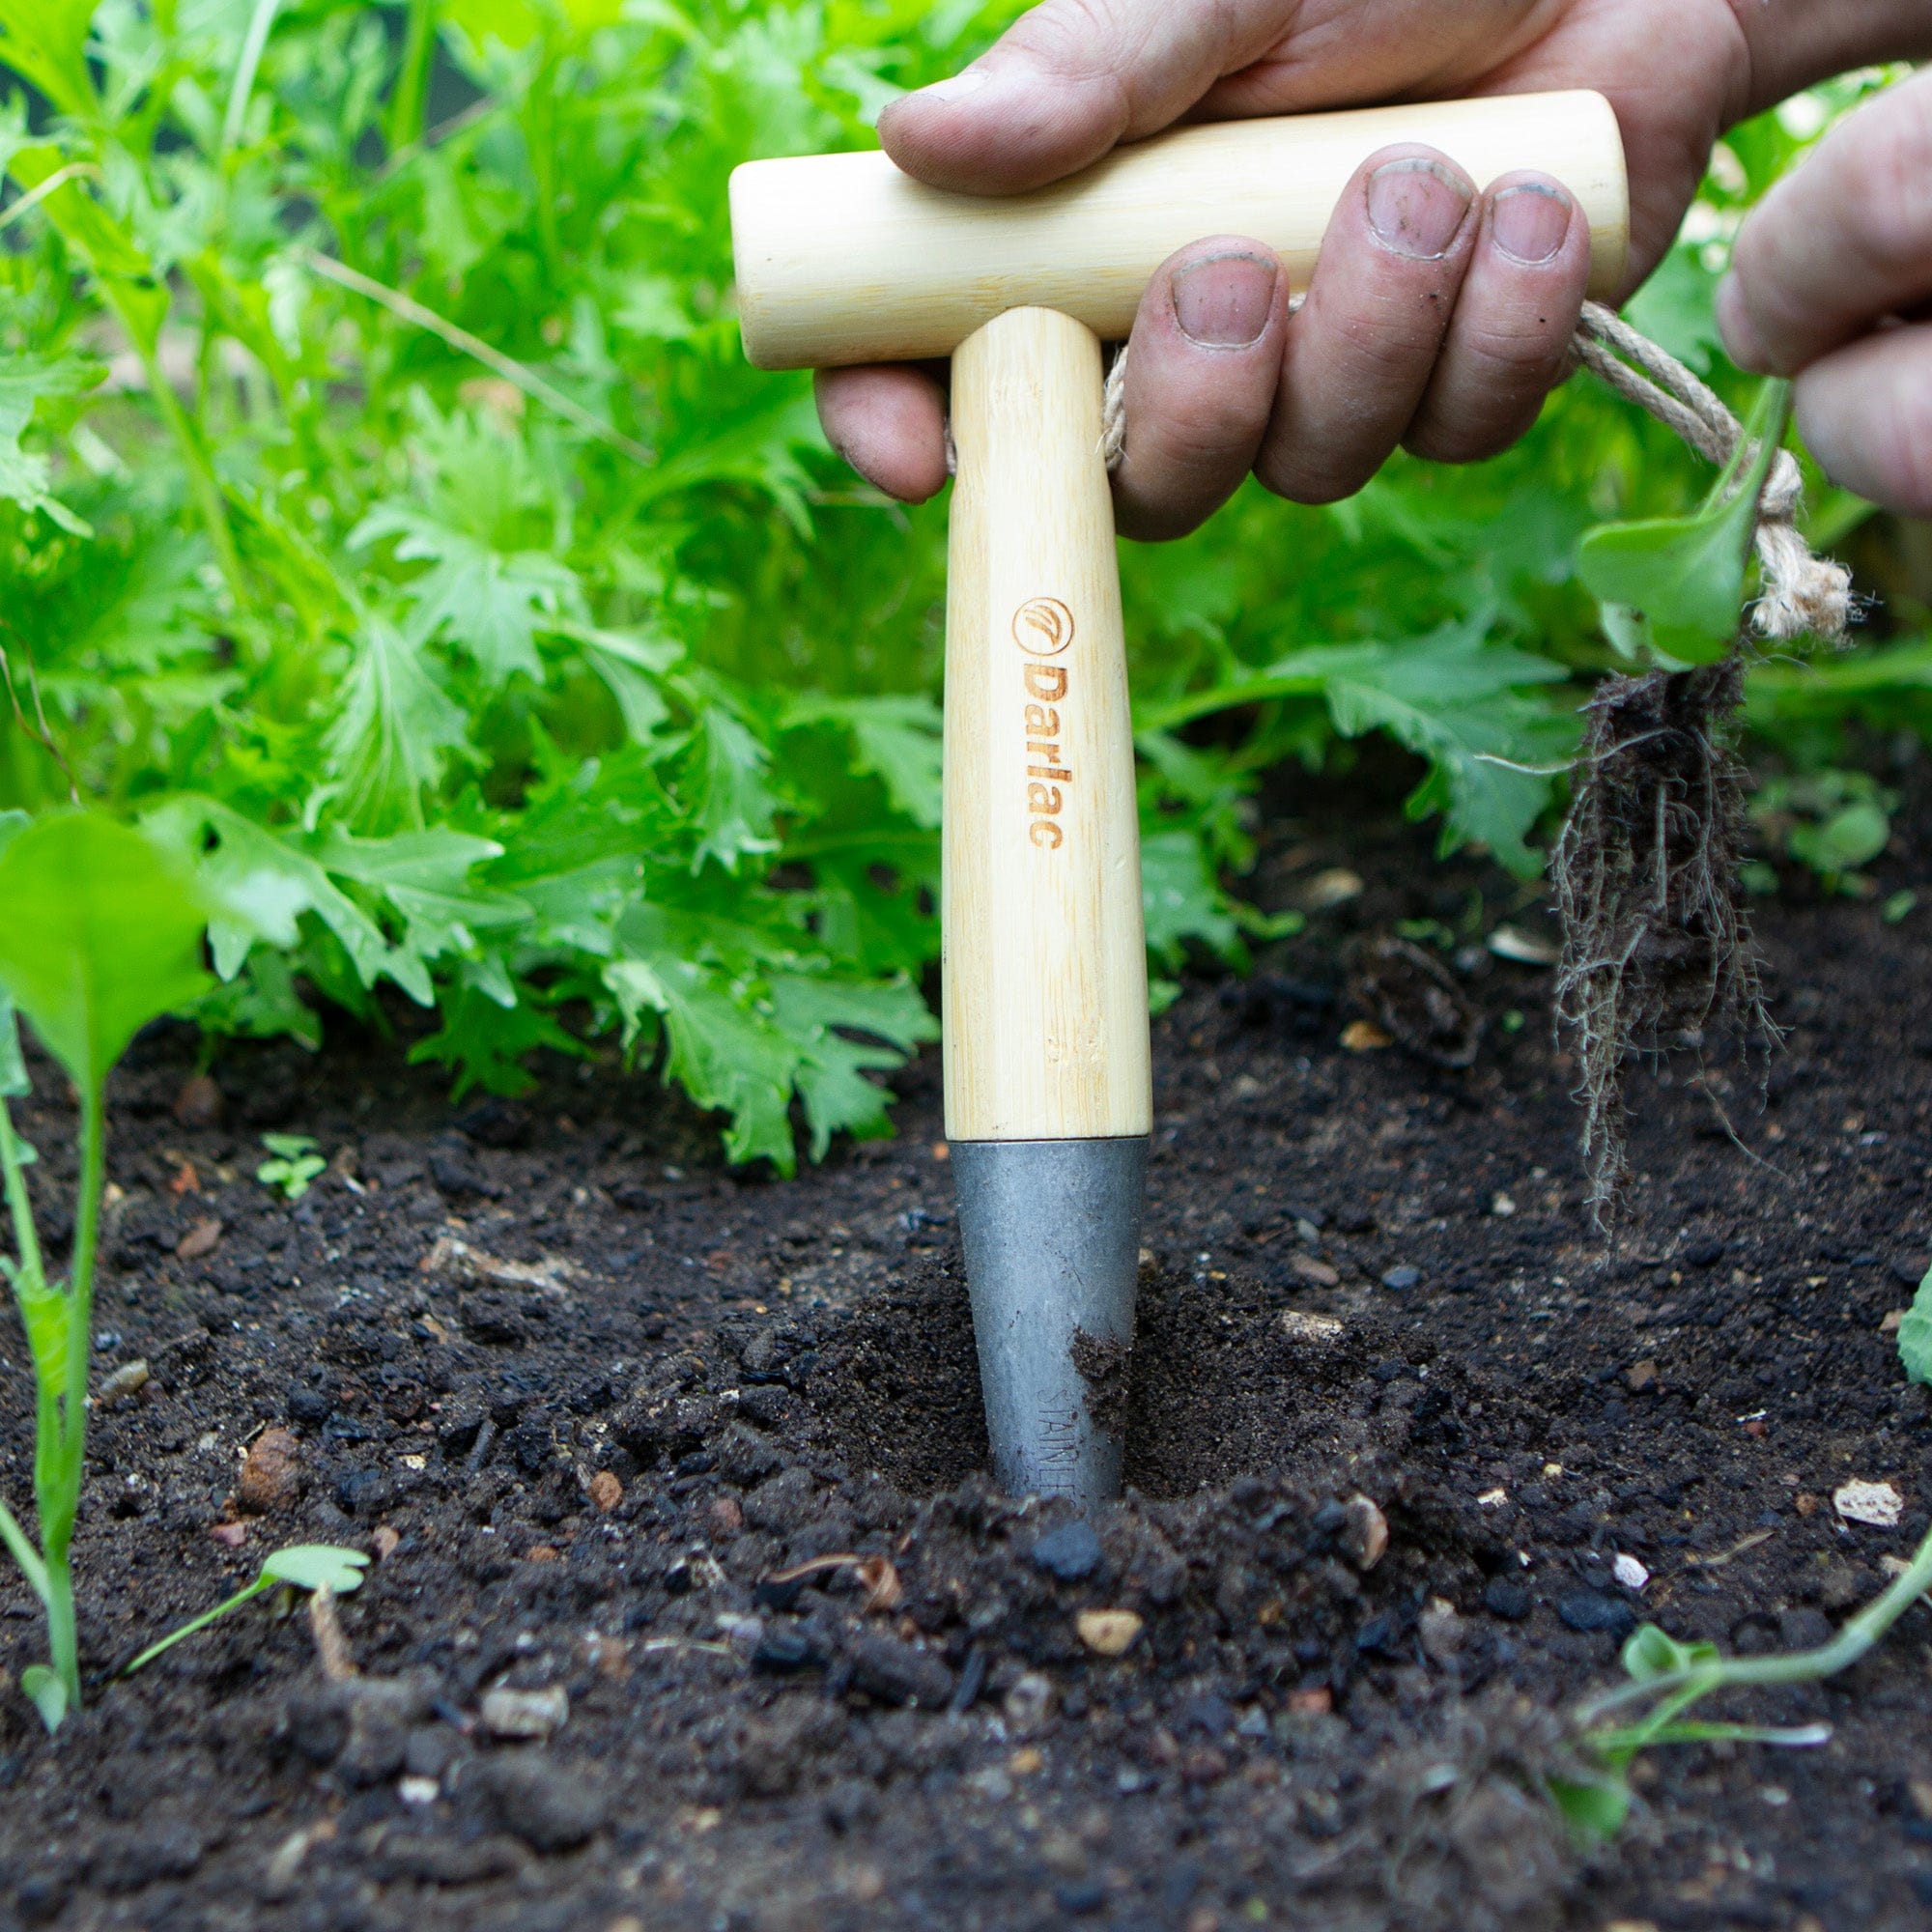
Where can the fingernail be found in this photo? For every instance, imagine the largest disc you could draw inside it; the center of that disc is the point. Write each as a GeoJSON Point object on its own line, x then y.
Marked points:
{"type": "Point", "coordinates": [1224, 301]}
{"type": "Point", "coordinates": [1743, 343]}
{"type": "Point", "coordinates": [1531, 222]}
{"type": "Point", "coordinates": [969, 80]}
{"type": "Point", "coordinates": [1416, 207]}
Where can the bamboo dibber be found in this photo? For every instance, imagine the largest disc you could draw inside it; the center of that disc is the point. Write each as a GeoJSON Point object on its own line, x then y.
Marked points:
{"type": "Point", "coordinates": [841, 259]}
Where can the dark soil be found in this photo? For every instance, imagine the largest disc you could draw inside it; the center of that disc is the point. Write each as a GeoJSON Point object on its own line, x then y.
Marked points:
{"type": "Point", "coordinates": [1373, 1306]}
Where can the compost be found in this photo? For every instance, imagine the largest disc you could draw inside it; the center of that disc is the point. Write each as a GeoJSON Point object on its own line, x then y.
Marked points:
{"type": "Point", "coordinates": [693, 1606]}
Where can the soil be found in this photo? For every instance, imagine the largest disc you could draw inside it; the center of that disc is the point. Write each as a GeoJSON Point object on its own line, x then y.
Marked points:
{"type": "Point", "coordinates": [604, 1409]}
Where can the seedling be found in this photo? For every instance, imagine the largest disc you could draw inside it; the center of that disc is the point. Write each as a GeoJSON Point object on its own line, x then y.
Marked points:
{"type": "Point", "coordinates": [305, 1566]}
{"type": "Point", "coordinates": [100, 936]}
{"type": "Point", "coordinates": [295, 1165]}
{"type": "Point", "coordinates": [1668, 1678]}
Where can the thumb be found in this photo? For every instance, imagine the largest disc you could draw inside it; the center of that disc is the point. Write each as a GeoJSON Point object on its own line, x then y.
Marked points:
{"type": "Point", "coordinates": [1066, 82]}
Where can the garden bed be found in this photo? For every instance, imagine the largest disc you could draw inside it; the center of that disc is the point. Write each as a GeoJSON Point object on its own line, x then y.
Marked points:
{"type": "Point", "coordinates": [588, 1391]}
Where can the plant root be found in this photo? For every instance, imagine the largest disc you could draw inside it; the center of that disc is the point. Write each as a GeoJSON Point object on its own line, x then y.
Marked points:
{"type": "Point", "coordinates": [1658, 950]}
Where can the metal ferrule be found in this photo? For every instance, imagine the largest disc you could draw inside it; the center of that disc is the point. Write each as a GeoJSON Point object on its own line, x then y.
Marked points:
{"type": "Point", "coordinates": [1052, 1236]}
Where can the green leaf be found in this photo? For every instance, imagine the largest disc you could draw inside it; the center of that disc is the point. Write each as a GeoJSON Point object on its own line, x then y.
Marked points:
{"type": "Point", "coordinates": [1914, 1334]}
{"type": "Point", "coordinates": [1649, 1653]}
{"type": "Point", "coordinates": [723, 1052]}
{"type": "Point", "coordinates": [731, 804]}
{"type": "Point", "coordinates": [895, 739]}
{"type": "Point", "coordinates": [490, 603]}
{"type": "Point", "coordinates": [102, 934]}
{"type": "Point", "coordinates": [45, 43]}
{"type": "Point", "coordinates": [486, 1042]}
{"type": "Point", "coordinates": [842, 1032]}
{"type": "Point", "coordinates": [308, 1566]}
{"type": "Point", "coordinates": [1675, 585]}
{"type": "Point", "coordinates": [25, 476]}
{"type": "Point", "coordinates": [1458, 701]}
{"type": "Point", "coordinates": [46, 1693]}
{"type": "Point", "coordinates": [1183, 899]}
{"type": "Point", "coordinates": [1595, 1809]}
{"type": "Point", "coordinates": [395, 733]}
{"type": "Point", "coordinates": [1849, 838]}
{"type": "Point", "coordinates": [261, 884]}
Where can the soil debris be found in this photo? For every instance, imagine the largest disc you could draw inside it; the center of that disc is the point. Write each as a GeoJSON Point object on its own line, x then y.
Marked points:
{"type": "Point", "coordinates": [1415, 998]}
{"type": "Point", "coordinates": [1104, 1366]}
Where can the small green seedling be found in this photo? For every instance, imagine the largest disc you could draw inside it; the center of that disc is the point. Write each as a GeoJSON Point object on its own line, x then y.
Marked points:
{"type": "Point", "coordinates": [295, 1165]}
{"type": "Point", "coordinates": [100, 936]}
{"type": "Point", "coordinates": [1670, 587]}
{"type": "Point", "coordinates": [1669, 1677]}
{"type": "Point", "coordinates": [305, 1566]}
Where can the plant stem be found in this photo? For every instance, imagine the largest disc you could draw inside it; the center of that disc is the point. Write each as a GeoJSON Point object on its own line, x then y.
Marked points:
{"type": "Point", "coordinates": [406, 105]}
{"type": "Point", "coordinates": [57, 1483]}
{"type": "Point", "coordinates": [1856, 1636]}
{"type": "Point", "coordinates": [246, 1593]}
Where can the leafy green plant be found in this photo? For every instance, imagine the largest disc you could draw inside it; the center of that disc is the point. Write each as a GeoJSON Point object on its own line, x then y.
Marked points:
{"type": "Point", "coordinates": [101, 935]}
{"type": "Point", "coordinates": [295, 1164]}
{"type": "Point", "coordinates": [304, 1566]}
{"type": "Point", "coordinates": [388, 520]}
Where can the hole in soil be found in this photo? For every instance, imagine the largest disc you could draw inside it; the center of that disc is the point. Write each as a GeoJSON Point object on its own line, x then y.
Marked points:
{"type": "Point", "coordinates": [1218, 1385]}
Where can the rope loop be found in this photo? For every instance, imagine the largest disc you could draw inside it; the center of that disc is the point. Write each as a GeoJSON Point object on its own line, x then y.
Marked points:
{"type": "Point", "coordinates": [1800, 594]}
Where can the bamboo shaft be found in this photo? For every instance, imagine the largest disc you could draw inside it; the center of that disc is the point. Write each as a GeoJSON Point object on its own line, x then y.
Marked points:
{"type": "Point", "coordinates": [1045, 956]}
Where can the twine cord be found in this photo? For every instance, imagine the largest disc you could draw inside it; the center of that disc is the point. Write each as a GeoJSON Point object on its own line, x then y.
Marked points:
{"type": "Point", "coordinates": [1800, 593]}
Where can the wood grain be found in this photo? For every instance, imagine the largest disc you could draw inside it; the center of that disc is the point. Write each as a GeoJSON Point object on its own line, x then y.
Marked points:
{"type": "Point", "coordinates": [842, 259]}
{"type": "Point", "coordinates": [1044, 952]}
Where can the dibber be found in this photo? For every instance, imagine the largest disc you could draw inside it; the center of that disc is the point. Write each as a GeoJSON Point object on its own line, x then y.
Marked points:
{"type": "Point", "coordinates": [842, 259]}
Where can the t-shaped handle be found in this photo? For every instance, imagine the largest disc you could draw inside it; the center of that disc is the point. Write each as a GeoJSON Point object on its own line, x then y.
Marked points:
{"type": "Point", "coordinates": [842, 259]}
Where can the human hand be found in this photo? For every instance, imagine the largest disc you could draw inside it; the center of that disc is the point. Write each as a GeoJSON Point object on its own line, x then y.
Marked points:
{"type": "Point", "coordinates": [1829, 280]}
{"type": "Point", "coordinates": [1437, 317]}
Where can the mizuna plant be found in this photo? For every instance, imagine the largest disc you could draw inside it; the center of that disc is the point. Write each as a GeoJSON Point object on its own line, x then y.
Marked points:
{"type": "Point", "coordinates": [100, 936]}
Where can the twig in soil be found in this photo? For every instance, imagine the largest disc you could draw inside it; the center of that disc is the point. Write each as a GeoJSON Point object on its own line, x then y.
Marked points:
{"type": "Point", "coordinates": [332, 1647]}
{"type": "Point", "coordinates": [1657, 948]}
{"type": "Point", "coordinates": [877, 1574]}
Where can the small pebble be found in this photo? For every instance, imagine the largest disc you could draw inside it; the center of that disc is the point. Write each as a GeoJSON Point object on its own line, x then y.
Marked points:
{"type": "Point", "coordinates": [1402, 1278]}
{"type": "Point", "coordinates": [129, 1378]}
{"type": "Point", "coordinates": [606, 1491]}
{"type": "Point", "coordinates": [1071, 1552]}
{"type": "Point", "coordinates": [385, 1542]}
{"type": "Point", "coordinates": [202, 1238]}
{"type": "Point", "coordinates": [1629, 1572]}
{"type": "Point", "coordinates": [1108, 1632]}
{"type": "Point", "coordinates": [1703, 1251]}
{"type": "Point", "coordinates": [1590, 1611]}
{"type": "Point", "coordinates": [1029, 1705]}
{"type": "Point", "coordinates": [271, 1473]}
{"type": "Point", "coordinates": [1365, 1538]}
{"type": "Point", "coordinates": [525, 1714]}
{"type": "Point", "coordinates": [1877, 1505]}
{"type": "Point", "coordinates": [1510, 1600]}
{"type": "Point", "coordinates": [199, 1104]}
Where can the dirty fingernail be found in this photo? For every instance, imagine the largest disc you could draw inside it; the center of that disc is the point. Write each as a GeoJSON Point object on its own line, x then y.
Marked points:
{"type": "Point", "coordinates": [969, 80]}
{"type": "Point", "coordinates": [1416, 206]}
{"type": "Point", "coordinates": [1224, 301]}
{"type": "Point", "coordinates": [1530, 222]}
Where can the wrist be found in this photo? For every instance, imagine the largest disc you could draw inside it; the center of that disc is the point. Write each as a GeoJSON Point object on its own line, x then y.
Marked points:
{"type": "Point", "coordinates": [1793, 43]}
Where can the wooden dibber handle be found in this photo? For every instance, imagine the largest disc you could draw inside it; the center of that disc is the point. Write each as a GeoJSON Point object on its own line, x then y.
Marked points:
{"type": "Point", "coordinates": [1044, 955]}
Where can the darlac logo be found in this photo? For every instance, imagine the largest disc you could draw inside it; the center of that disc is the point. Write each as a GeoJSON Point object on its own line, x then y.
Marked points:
{"type": "Point", "coordinates": [1044, 628]}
